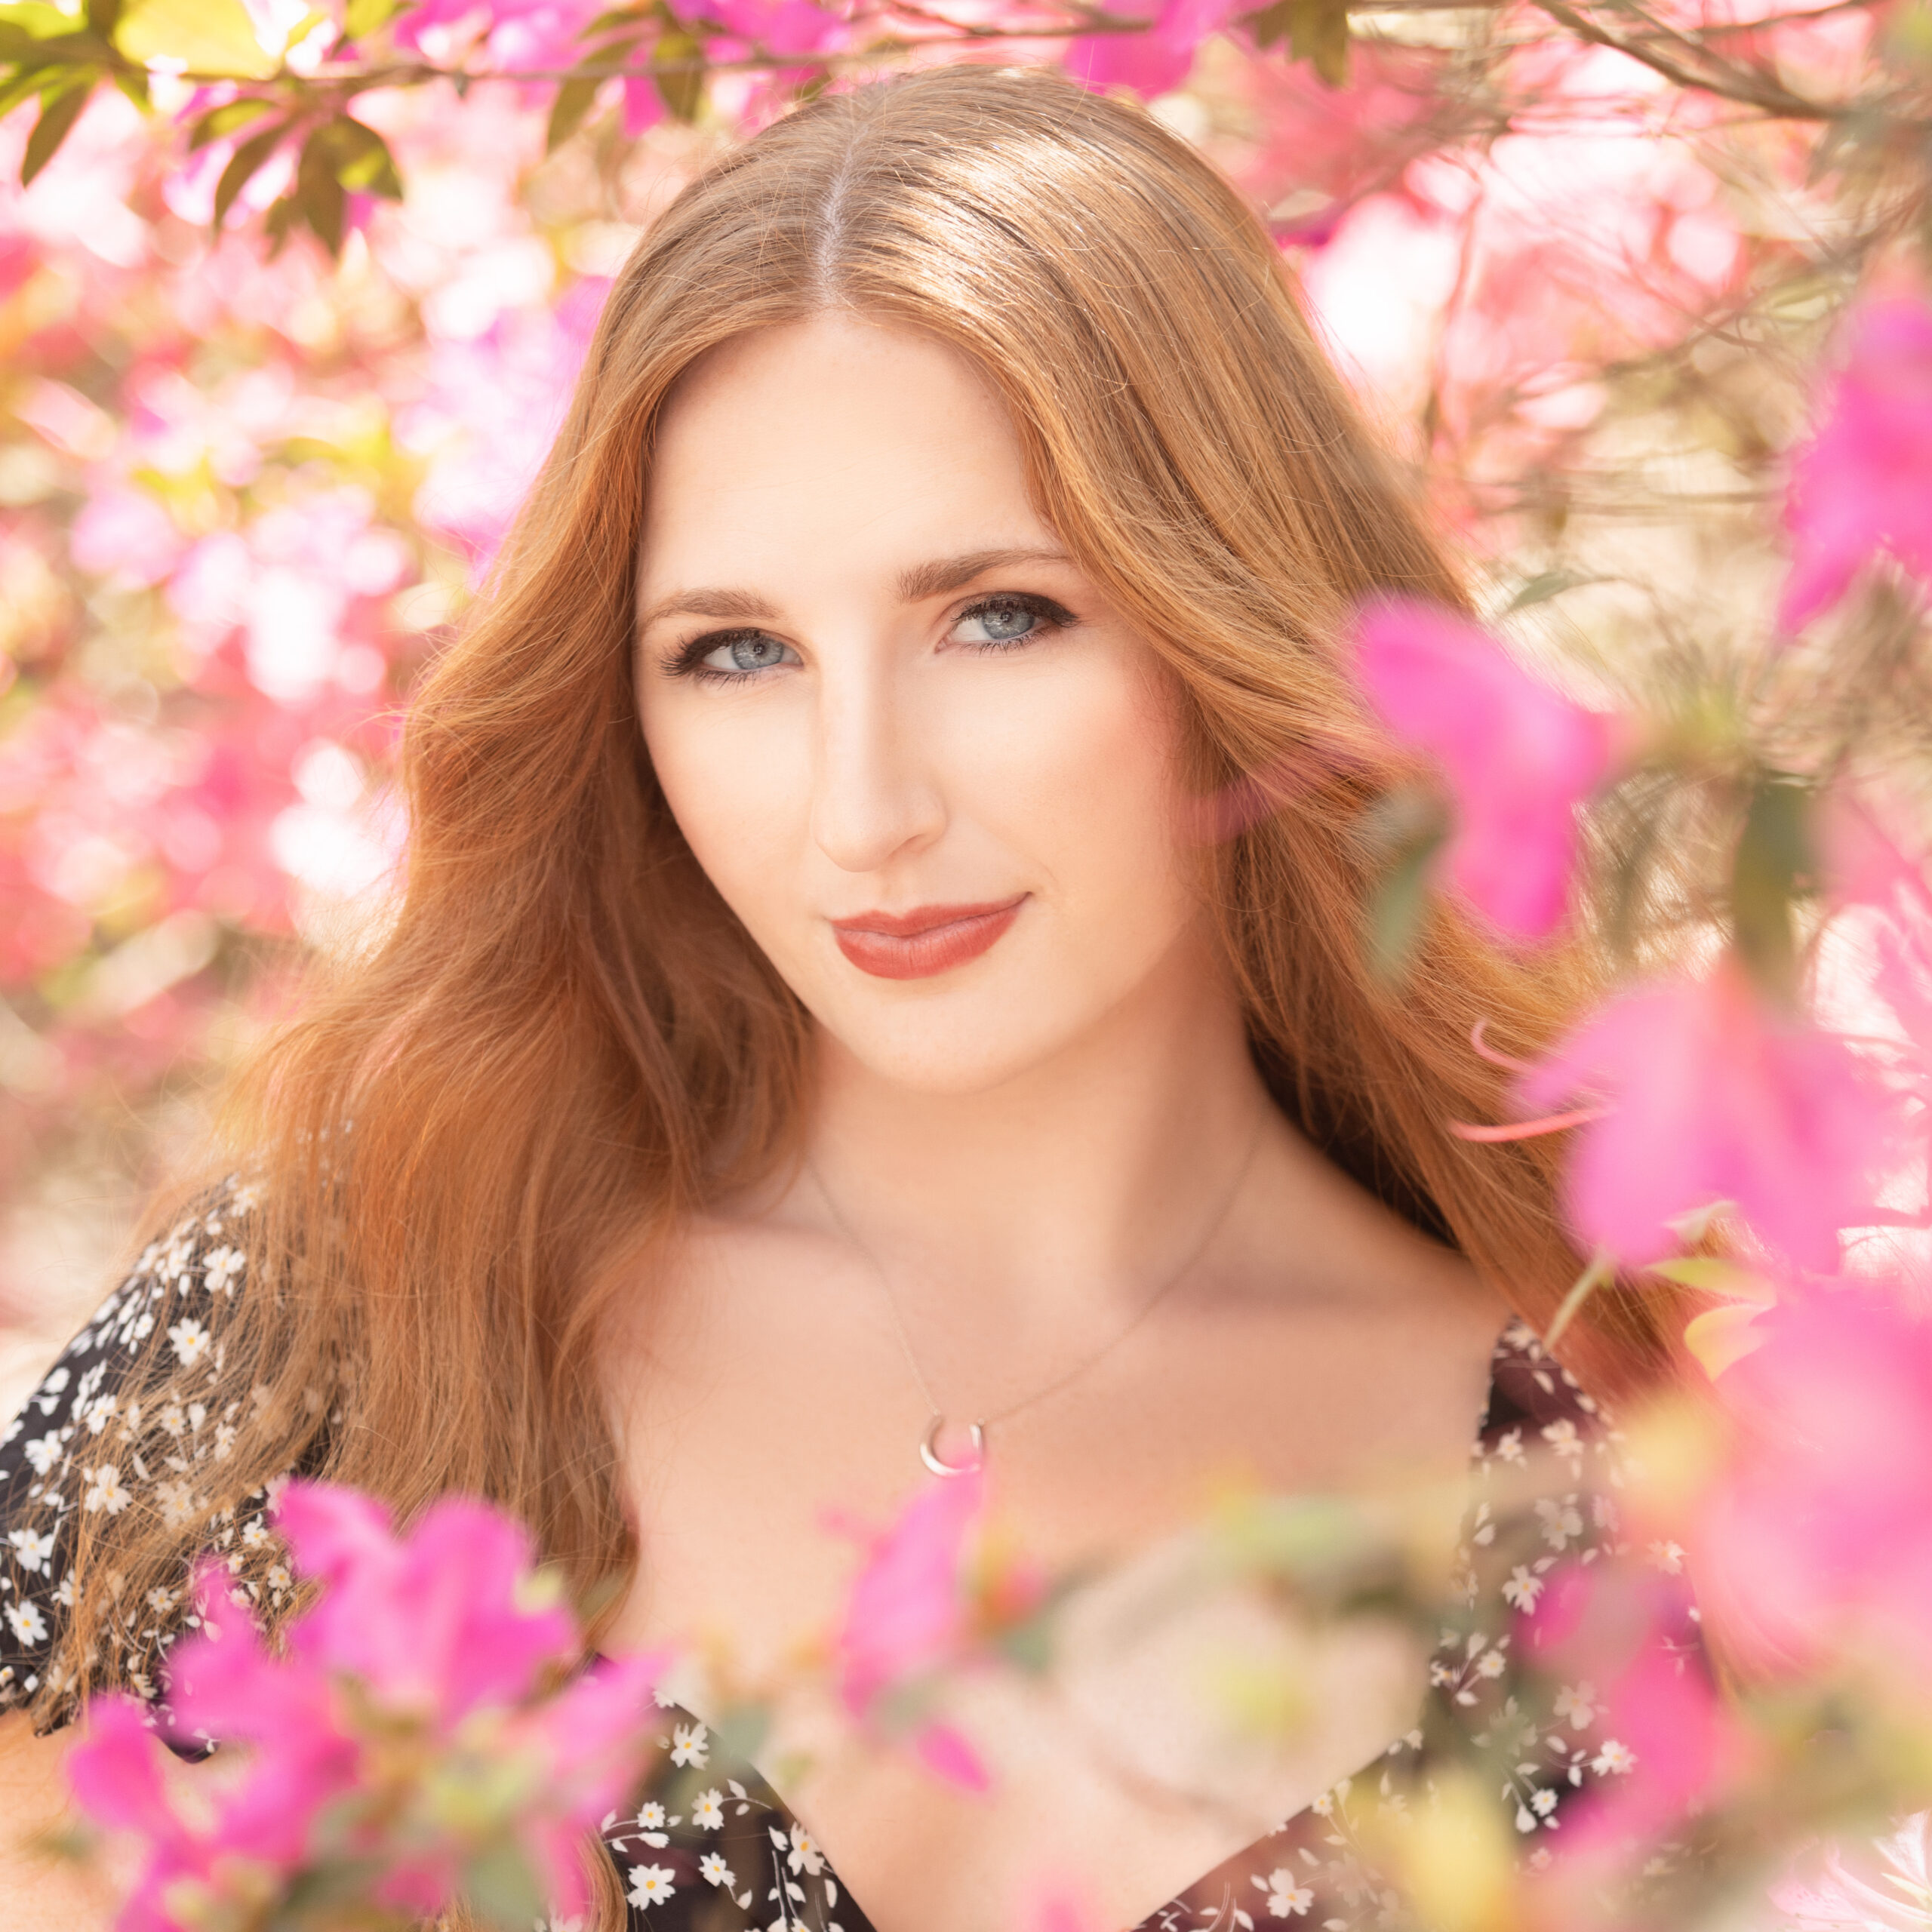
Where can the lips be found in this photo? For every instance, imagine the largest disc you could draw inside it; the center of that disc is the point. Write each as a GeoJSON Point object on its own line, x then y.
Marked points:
{"type": "Point", "coordinates": [928, 940]}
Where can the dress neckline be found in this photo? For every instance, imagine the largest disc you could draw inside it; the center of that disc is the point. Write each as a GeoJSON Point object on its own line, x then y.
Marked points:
{"type": "Point", "coordinates": [753, 1788]}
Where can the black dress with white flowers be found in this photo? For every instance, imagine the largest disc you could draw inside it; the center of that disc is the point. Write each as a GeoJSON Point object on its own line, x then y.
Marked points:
{"type": "Point", "coordinates": [711, 1847]}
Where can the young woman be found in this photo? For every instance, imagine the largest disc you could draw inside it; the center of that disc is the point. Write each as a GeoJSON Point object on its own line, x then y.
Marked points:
{"type": "Point", "coordinates": [879, 991]}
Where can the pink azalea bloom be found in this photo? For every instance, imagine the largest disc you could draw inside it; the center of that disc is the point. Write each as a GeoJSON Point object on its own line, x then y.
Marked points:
{"type": "Point", "coordinates": [1819, 1533]}
{"type": "Point", "coordinates": [1518, 757]}
{"type": "Point", "coordinates": [1153, 61]}
{"type": "Point", "coordinates": [429, 1619]}
{"type": "Point", "coordinates": [1710, 1095]}
{"type": "Point", "coordinates": [1663, 1744]}
{"type": "Point", "coordinates": [428, 1640]}
{"type": "Point", "coordinates": [126, 533]}
{"type": "Point", "coordinates": [909, 1615]}
{"type": "Point", "coordinates": [782, 26]}
{"type": "Point", "coordinates": [1863, 483]}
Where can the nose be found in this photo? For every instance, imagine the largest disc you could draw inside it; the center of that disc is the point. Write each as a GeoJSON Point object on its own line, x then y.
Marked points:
{"type": "Point", "coordinates": [874, 794]}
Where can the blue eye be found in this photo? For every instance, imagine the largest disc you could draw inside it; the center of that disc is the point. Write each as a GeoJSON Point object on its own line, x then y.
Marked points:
{"type": "Point", "coordinates": [1011, 620]}
{"type": "Point", "coordinates": [741, 654]}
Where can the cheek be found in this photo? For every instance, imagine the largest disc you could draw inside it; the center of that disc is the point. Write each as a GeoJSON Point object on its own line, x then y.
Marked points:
{"type": "Point", "coordinates": [736, 785]}
{"type": "Point", "coordinates": [1086, 785]}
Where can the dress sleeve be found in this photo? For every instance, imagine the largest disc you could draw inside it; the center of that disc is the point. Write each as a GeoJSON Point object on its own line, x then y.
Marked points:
{"type": "Point", "coordinates": [94, 1440]}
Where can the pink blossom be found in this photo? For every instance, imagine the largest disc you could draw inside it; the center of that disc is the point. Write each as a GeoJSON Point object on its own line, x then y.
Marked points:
{"type": "Point", "coordinates": [782, 26]}
{"type": "Point", "coordinates": [124, 533]}
{"type": "Point", "coordinates": [1863, 483]}
{"type": "Point", "coordinates": [1819, 1536]}
{"type": "Point", "coordinates": [1663, 1744]}
{"type": "Point", "coordinates": [909, 1615]}
{"type": "Point", "coordinates": [1154, 62]}
{"type": "Point", "coordinates": [1711, 1096]}
{"type": "Point", "coordinates": [407, 1725]}
{"type": "Point", "coordinates": [1519, 757]}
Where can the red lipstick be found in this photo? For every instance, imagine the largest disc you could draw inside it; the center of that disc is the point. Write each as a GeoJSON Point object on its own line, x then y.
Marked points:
{"type": "Point", "coordinates": [929, 939]}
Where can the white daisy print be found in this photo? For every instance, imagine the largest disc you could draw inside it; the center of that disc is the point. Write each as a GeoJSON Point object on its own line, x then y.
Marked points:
{"type": "Point", "coordinates": [221, 1269]}
{"type": "Point", "coordinates": [707, 1812]}
{"type": "Point", "coordinates": [31, 1552]}
{"type": "Point", "coordinates": [177, 1503]}
{"type": "Point", "coordinates": [712, 1869]}
{"type": "Point", "coordinates": [1577, 1702]}
{"type": "Point", "coordinates": [1286, 1900]}
{"type": "Point", "coordinates": [190, 1341]}
{"type": "Point", "coordinates": [42, 1453]}
{"type": "Point", "coordinates": [651, 1884]}
{"type": "Point", "coordinates": [1560, 1520]}
{"type": "Point", "coordinates": [1523, 1588]}
{"type": "Point", "coordinates": [1614, 1758]}
{"type": "Point", "coordinates": [690, 1744]}
{"type": "Point", "coordinates": [804, 1855]}
{"type": "Point", "coordinates": [105, 1491]}
{"type": "Point", "coordinates": [29, 1626]}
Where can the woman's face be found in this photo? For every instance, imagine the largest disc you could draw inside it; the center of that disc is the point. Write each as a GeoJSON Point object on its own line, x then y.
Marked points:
{"type": "Point", "coordinates": [934, 774]}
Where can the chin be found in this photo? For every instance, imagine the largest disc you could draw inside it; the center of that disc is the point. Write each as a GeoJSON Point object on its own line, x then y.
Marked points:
{"type": "Point", "coordinates": [950, 1048]}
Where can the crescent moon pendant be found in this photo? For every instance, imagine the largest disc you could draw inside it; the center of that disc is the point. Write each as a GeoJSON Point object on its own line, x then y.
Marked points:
{"type": "Point", "coordinates": [929, 1451]}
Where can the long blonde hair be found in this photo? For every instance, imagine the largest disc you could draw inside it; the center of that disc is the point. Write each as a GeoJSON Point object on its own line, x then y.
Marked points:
{"type": "Point", "coordinates": [566, 1042]}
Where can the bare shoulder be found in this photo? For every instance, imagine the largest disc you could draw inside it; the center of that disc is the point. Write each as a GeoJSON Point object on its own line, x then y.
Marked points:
{"type": "Point", "coordinates": [1336, 1242]}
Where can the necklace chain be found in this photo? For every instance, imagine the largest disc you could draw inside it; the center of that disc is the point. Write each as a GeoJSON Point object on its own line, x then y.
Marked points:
{"type": "Point", "coordinates": [928, 1444]}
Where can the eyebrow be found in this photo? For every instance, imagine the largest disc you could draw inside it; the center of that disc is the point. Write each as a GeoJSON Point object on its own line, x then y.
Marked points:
{"type": "Point", "coordinates": [916, 585]}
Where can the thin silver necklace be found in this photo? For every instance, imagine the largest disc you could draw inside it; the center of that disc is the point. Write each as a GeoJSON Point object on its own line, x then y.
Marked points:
{"type": "Point", "coordinates": [929, 1442]}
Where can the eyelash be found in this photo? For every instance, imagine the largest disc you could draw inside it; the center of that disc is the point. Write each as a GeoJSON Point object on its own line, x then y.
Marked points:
{"type": "Point", "coordinates": [687, 660]}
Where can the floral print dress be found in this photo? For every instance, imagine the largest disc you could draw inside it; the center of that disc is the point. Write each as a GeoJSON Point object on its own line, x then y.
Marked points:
{"type": "Point", "coordinates": [712, 1847]}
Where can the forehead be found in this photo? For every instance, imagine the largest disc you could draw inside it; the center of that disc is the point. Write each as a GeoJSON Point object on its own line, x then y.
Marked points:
{"type": "Point", "coordinates": [803, 443]}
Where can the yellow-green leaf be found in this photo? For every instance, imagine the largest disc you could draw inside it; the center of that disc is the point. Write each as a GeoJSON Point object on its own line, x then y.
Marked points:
{"type": "Point", "coordinates": [1709, 1275]}
{"type": "Point", "coordinates": [208, 36]}
{"type": "Point", "coordinates": [1721, 1337]}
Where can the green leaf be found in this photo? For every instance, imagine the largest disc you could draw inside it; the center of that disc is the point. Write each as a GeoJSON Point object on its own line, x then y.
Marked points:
{"type": "Point", "coordinates": [1272, 23]}
{"type": "Point", "coordinates": [1710, 1275]}
{"type": "Point", "coordinates": [227, 119]}
{"type": "Point", "coordinates": [133, 83]}
{"type": "Point", "coordinates": [103, 16]}
{"type": "Point", "coordinates": [499, 1883]}
{"type": "Point", "coordinates": [356, 155]}
{"type": "Point", "coordinates": [1773, 858]}
{"type": "Point", "coordinates": [24, 86]}
{"type": "Point", "coordinates": [58, 113]}
{"type": "Point", "coordinates": [207, 36]}
{"type": "Point", "coordinates": [682, 91]}
{"type": "Point", "coordinates": [1318, 33]}
{"type": "Point", "coordinates": [36, 20]}
{"type": "Point", "coordinates": [318, 193]}
{"type": "Point", "coordinates": [1407, 829]}
{"type": "Point", "coordinates": [365, 17]}
{"type": "Point", "coordinates": [1539, 590]}
{"type": "Point", "coordinates": [242, 164]}
{"type": "Point", "coordinates": [574, 99]}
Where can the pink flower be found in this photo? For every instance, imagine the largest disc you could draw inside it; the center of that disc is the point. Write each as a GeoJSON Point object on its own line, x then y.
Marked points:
{"type": "Point", "coordinates": [1519, 758]}
{"type": "Point", "coordinates": [909, 1615]}
{"type": "Point", "coordinates": [1710, 1095]}
{"type": "Point", "coordinates": [1819, 1536]}
{"type": "Point", "coordinates": [408, 1728]}
{"type": "Point", "coordinates": [1155, 61]}
{"type": "Point", "coordinates": [782, 26]}
{"type": "Point", "coordinates": [124, 533]}
{"type": "Point", "coordinates": [1863, 483]}
{"type": "Point", "coordinates": [1663, 1744]}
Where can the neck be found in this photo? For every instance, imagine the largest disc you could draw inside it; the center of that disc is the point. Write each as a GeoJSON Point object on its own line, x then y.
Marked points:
{"type": "Point", "coordinates": [1067, 1191]}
